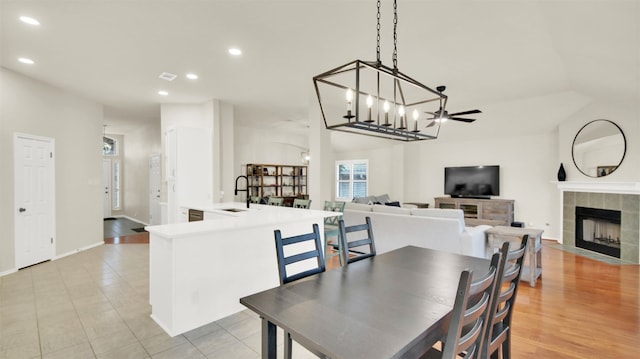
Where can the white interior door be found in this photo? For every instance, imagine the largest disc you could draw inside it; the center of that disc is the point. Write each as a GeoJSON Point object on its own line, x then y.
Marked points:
{"type": "Point", "coordinates": [106, 184]}
{"type": "Point", "coordinates": [155, 176]}
{"type": "Point", "coordinates": [34, 199]}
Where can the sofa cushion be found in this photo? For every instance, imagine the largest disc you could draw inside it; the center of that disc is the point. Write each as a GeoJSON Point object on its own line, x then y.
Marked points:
{"type": "Point", "coordinates": [358, 206]}
{"type": "Point", "coordinates": [365, 200]}
{"type": "Point", "coordinates": [391, 209]}
{"type": "Point", "coordinates": [383, 199]}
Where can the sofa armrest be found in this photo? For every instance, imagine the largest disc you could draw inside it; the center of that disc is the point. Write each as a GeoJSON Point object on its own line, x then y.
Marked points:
{"type": "Point", "coordinates": [473, 241]}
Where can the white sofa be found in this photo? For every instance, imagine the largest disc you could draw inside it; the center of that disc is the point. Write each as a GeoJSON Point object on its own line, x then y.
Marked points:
{"type": "Point", "coordinates": [441, 229]}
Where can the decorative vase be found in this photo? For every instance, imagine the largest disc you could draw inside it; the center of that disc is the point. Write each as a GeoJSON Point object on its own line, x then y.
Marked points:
{"type": "Point", "coordinates": [562, 175]}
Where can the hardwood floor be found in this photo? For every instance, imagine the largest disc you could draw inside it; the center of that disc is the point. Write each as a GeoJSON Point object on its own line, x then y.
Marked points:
{"type": "Point", "coordinates": [582, 308]}
{"type": "Point", "coordinates": [128, 239]}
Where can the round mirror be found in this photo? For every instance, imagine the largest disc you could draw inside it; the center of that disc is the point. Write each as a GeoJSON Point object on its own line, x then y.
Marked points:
{"type": "Point", "coordinates": [599, 148]}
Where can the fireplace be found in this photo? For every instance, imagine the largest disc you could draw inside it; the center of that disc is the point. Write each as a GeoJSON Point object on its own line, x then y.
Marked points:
{"type": "Point", "coordinates": [598, 230]}
{"type": "Point", "coordinates": [622, 197]}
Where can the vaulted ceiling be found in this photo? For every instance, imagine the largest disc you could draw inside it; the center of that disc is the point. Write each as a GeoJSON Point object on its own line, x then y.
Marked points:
{"type": "Point", "coordinates": [526, 64]}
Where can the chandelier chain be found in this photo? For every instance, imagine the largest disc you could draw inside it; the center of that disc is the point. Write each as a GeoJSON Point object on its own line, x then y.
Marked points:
{"type": "Point", "coordinates": [395, 35]}
{"type": "Point", "coordinates": [378, 37]}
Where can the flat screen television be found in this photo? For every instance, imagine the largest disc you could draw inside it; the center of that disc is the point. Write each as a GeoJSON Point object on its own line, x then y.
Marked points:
{"type": "Point", "coordinates": [472, 181]}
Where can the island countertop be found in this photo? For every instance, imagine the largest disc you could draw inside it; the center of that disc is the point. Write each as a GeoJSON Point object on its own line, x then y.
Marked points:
{"type": "Point", "coordinates": [236, 215]}
{"type": "Point", "coordinates": [198, 271]}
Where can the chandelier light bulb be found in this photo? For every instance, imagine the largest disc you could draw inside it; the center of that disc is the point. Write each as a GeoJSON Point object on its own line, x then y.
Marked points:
{"type": "Point", "coordinates": [349, 99]}
{"type": "Point", "coordinates": [386, 106]}
{"type": "Point", "coordinates": [349, 95]}
{"type": "Point", "coordinates": [401, 113]}
{"type": "Point", "coordinates": [415, 115]}
{"type": "Point", "coordinates": [369, 104]}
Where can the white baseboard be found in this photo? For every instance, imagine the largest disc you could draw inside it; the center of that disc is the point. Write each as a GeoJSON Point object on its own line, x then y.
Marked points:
{"type": "Point", "coordinates": [78, 250]}
{"type": "Point", "coordinates": [7, 272]}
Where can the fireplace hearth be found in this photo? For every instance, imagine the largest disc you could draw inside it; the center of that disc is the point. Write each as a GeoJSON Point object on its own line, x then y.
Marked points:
{"type": "Point", "coordinates": [598, 230]}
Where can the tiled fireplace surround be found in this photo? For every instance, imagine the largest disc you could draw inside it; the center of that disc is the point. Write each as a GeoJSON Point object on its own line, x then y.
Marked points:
{"type": "Point", "coordinates": [593, 197]}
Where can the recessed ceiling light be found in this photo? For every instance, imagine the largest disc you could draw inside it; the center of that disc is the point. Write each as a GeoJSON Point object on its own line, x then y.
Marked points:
{"type": "Point", "coordinates": [25, 60]}
{"type": "Point", "coordinates": [235, 51]}
{"type": "Point", "coordinates": [29, 20]}
{"type": "Point", "coordinates": [192, 76]}
{"type": "Point", "coordinates": [163, 93]}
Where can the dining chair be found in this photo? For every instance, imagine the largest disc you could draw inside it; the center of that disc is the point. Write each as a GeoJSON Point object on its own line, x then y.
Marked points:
{"type": "Point", "coordinates": [357, 246]}
{"type": "Point", "coordinates": [469, 316]}
{"type": "Point", "coordinates": [255, 199]}
{"type": "Point", "coordinates": [296, 255]}
{"type": "Point", "coordinates": [275, 201]}
{"type": "Point", "coordinates": [332, 230]}
{"type": "Point", "coordinates": [301, 203]}
{"type": "Point", "coordinates": [498, 335]}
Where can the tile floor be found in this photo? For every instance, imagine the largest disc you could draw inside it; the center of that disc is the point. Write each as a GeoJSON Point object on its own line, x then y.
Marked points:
{"type": "Point", "coordinates": [95, 304]}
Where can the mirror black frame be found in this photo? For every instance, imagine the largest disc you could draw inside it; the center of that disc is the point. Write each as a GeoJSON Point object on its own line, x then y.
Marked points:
{"type": "Point", "coordinates": [573, 146]}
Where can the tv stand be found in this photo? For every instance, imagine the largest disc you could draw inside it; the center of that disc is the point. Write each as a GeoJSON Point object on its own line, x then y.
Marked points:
{"type": "Point", "coordinates": [472, 197]}
{"type": "Point", "coordinates": [477, 211]}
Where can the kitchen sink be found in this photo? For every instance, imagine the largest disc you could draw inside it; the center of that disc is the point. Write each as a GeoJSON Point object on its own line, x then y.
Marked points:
{"type": "Point", "coordinates": [233, 209]}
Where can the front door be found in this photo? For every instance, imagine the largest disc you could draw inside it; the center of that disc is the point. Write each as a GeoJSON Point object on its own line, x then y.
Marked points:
{"type": "Point", "coordinates": [34, 199]}
{"type": "Point", "coordinates": [155, 177]}
{"type": "Point", "coordinates": [106, 184]}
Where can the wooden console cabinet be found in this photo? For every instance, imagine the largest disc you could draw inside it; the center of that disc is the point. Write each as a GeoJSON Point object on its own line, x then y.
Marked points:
{"type": "Point", "coordinates": [494, 212]}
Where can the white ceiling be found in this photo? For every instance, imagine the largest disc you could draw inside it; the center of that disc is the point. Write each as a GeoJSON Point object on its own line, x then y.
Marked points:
{"type": "Point", "coordinates": [526, 64]}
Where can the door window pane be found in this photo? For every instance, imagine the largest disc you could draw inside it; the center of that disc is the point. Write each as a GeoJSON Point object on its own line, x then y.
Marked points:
{"type": "Point", "coordinates": [116, 185]}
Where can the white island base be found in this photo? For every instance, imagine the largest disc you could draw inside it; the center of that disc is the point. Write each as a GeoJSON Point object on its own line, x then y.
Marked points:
{"type": "Point", "coordinates": [200, 270]}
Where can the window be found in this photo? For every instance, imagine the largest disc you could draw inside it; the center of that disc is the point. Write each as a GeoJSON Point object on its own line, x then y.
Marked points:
{"type": "Point", "coordinates": [109, 146]}
{"type": "Point", "coordinates": [116, 185]}
{"type": "Point", "coordinates": [352, 179]}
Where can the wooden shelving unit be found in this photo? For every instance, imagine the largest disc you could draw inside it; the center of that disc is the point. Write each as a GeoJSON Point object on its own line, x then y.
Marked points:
{"type": "Point", "coordinates": [286, 181]}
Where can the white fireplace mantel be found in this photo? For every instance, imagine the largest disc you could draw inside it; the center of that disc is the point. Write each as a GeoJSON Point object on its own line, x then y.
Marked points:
{"type": "Point", "coordinates": [600, 187]}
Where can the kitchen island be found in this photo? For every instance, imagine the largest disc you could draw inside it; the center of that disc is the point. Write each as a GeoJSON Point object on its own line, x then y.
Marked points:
{"type": "Point", "coordinates": [200, 270]}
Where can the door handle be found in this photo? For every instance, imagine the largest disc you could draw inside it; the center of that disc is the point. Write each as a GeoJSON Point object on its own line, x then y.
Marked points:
{"type": "Point", "coordinates": [22, 210]}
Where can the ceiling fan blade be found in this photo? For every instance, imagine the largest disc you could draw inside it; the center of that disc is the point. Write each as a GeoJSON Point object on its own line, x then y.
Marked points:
{"type": "Point", "coordinates": [470, 112]}
{"type": "Point", "coordinates": [431, 124]}
{"type": "Point", "coordinates": [469, 120]}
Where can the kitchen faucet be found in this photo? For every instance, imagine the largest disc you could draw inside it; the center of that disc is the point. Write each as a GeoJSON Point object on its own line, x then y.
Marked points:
{"type": "Point", "coordinates": [246, 189]}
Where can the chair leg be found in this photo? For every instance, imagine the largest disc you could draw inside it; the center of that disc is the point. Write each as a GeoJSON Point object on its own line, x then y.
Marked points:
{"type": "Point", "coordinates": [287, 346]}
{"type": "Point", "coordinates": [506, 346]}
{"type": "Point", "coordinates": [327, 246]}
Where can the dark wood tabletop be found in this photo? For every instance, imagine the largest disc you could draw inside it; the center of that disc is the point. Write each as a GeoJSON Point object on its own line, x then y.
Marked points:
{"type": "Point", "coordinates": [391, 306]}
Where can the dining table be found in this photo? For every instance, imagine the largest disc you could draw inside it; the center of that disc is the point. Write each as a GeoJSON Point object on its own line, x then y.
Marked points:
{"type": "Point", "coordinates": [394, 305]}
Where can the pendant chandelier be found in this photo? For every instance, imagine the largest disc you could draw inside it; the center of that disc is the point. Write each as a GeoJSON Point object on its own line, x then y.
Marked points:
{"type": "Point", "coordinates": [369, 98]}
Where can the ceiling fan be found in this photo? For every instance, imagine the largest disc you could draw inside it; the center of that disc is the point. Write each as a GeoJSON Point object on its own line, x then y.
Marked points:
{"type": "Point", "coordinates": [445, 115]}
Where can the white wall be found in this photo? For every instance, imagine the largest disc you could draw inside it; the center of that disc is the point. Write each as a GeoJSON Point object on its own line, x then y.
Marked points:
{"type": "Point", "coordinates": [75, 123]}
{"type": "Point", "coordinates": [528, 166]}
{"type": "Point", "coordinates": [269, 146]}
{"type": "Point", "coordinates": [625, 114]}
{"type": "Point", "coordinates": [140, 143]}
